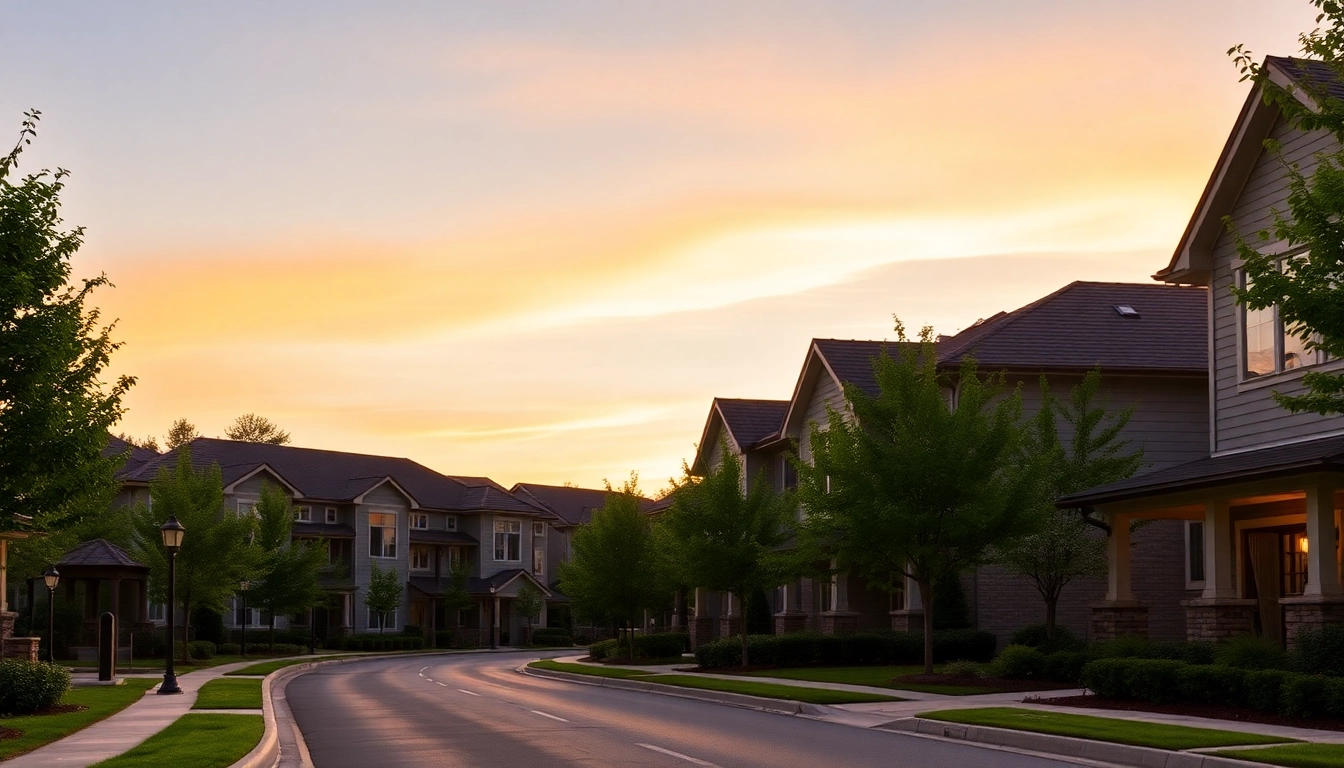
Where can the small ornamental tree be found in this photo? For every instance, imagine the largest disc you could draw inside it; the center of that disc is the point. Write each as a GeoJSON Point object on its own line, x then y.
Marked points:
{"type": "Point", "coordinates": [455, 597]}
{"type": "Point", "coordinates": [383, 595]}
{"type": "Point", "coordinates": [528, 604]}
{"type": "Point", "coordinates": [724, 538]}
{"type": "Point", "coordinates": [906, 484]}
{"type": "Point", "coordinates": [1065, 546]}
{"type": "Point", "coordinates": [289, 572]}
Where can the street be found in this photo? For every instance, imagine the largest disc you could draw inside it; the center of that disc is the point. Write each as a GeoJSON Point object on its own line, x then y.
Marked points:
{"type": "Point", "coordinates": [475, 710]}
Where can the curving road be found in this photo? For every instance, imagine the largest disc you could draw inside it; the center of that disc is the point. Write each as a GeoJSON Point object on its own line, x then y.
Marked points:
{"type": "Point", "coordinates": [475, 710]}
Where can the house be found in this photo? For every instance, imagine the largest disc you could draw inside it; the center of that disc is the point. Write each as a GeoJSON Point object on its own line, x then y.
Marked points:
{"type": "Point", "coordinates": [1148, 341]}
{"type": "Point", "coordinates": [390, 511]}
{"type": "Point", "coordinates": [1260, 507]}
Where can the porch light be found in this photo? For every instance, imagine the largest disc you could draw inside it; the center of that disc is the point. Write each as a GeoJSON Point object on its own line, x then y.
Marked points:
{"type": "Point", "coordinates": [1302, 545]}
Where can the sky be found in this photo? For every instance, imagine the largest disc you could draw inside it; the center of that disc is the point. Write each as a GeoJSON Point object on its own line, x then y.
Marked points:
{"type": "Point", "coordinates": [533, 240]}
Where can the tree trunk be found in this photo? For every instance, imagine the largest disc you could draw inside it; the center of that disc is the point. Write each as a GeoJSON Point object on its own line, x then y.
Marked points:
{"type": "Point", "coordinates": [630, 636]}
{"type": "Point", "coordinates": [271, 638]}
{"type": "Point", "coordinates": [1050, 606]}
{"type": "Point", "coordinates": [742, 600]}
{"type": "Point", "coordinates": [926, 596]}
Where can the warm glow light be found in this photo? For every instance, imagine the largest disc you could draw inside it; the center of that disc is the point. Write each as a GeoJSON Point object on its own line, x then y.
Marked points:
{"type": "Point", "coordinates": [1302, 545]}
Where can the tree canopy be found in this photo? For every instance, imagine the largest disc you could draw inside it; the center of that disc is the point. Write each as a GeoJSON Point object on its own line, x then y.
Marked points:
{"type": "Point", "coordinates": [1307, 284]}
{"type": "Point", "coordinates": [55, 409]}
{"type": "Point", "coordinates": [180, 433]}
{"type": "Point", "coordinates": [251, 428]}
{"type": "Point", "coordinates": [908, 484]}
{"type": "Point", "coordinates": [288, 574]}
{"type": "Point", "coordinates": [383, 594]}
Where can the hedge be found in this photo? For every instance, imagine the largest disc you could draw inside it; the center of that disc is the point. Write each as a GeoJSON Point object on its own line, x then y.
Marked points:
{"type": "Point", "coordinates": [802, 649]}
{"type": "Point", "coordinates": [656, 646]}
{"type": "Point", "coordinates": [1162, 681]}
{"type": "Point", "coordinates": [551, 636]}
{"type": "Point", "coordinates": [372, 643]}
{"type": "Point", "coordinates": [29, 686]}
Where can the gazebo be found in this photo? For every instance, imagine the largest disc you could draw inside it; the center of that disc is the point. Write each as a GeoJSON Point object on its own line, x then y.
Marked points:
{"type": "Point", "coordinates": [95, 563]}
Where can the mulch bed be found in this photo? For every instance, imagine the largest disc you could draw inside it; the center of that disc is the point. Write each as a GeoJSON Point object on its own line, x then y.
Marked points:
{"type": "Point", "coordinates": [997, 683]}
{"type": "Point", "coordinates": [9, 733]}
{"type": "Point", "coordinates": [1213, 711]}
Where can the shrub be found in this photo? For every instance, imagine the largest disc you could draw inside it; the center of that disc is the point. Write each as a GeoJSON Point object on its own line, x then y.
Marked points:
{"type": "Point", "coordinates": [1065, 666]}
{"type": "Point", "coordinates": [413, 629]}
{"type": "Point", "coordinates": [1212, 684]}
{"type": "Point", "coordinates": [1125, 647]}
{"type": "Point", "coordinates": [29, 686]}
{"type": "Point", "coordinates": [550, 636]}
{"type": "Point", "coordinates": [662, 645]}
{"type": "Point", "coordinates": [1251, 652]}
{"type": "Point", "coordinates": [1304, 696]}
{"type": "Point", "coordinates": [1154, 680]}
{"type": "Point", "coordinates": [1319, 651]}
{"type": "Point", "coordinates": [801, 649]}
{"type": "Point", "coordinates": [964, 669]}
{"type": "Point", "coordinates": [1198, 652]}
{"type": "Point", "coordinates": [955, 644]}
{"type": "Point", "coordinates": [1019, 662]}
{"type": "Point", "coordinates": [1033, 636]}
{"type": "Point", "coordinates": [1106, 677]}
{"type": "Point", "coordinates": [602, 649]}
{"type": "Point", "coordinates": [1264, 689]}
{"type": "Point", "coordinates": [202, 649]}
{"type": "Point", "coordinates": [207, 625]}
{"type": "Point", "coordinates": [1131, 647]}
{"type": "Point", "coordinates": [229, 649]}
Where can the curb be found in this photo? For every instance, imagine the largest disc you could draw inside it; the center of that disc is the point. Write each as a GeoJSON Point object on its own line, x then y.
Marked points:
{"type": "Point", "coordinates": [778, 706]}
{"type": "Point", "coordinates": [1065, 746]}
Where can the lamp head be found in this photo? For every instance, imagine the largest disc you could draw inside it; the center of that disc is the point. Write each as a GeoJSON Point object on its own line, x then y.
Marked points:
{"type": "Point", "coordinates": [172, 534]}
{"type": "Point", "coordinates": [52, 577]}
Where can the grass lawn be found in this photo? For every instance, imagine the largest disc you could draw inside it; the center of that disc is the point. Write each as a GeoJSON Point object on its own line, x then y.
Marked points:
{"type": "Point", "coordinates": [229, 694]}
{"type": "Point", "coordinates": [195, 741]}
{"type": "Point", "coordinates": [267, 667]}
{"type": "Point", "coordinates": [1296, 755]}
{"type": "Point", "coordinates": [770, 690]}
{"type": "Point", "coordinates": [583, 669]}
{"type": "Point", "coordinates": [102, 702]}
{"type": "Point", "coordinates": [879, 677]}
{"type": "Point", "coordinates": [1131, 732]}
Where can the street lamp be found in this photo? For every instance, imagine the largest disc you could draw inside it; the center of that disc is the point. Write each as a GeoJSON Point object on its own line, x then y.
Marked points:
{"type": "Point", "coordinates": [494, 606]}
{"type": "Point", "coordinates": [52, 577]}
{"type": "Point", "coordinates": [242, 587]}
{"type": "Point", "coordinates": [172, 541]}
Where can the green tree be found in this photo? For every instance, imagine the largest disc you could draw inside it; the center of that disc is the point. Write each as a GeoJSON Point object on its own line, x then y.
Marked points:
{"type": "Point", "coordinates": [454, 598]}
{"type": "Point", "coordinates": [911, 485]}
{"type": "Point", "coordinates": [180, 433]}
{"type": "Point", "coordinates": [528, 604]}
{"type": "Point", "coordinates": [251, 428]}
{"type": "Point", "coordinates": [1065, 546]}
{"type": "Point", "coordinates": [289, 572]}
{"type": "Point", "coordinates": [615, 571]}
{"type": "Point", "coordinates": [383, 595]}
{"type": "Point", "coordinates": [148, 441]}
{"type": "Point", "coordinates": [725, 539]}
{"type": "Point", "coordinates": [215, 554]}
{"type": "Point", "coordinates": [1307, 286]}
{"type": "Point", "coordinates": [55, 409]}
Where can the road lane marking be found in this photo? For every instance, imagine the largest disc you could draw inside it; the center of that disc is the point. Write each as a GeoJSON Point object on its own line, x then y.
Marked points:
{"type": "Point", "coordinates": [687, 758]}
{"type": "Point", "coordinates": [436, 682]}
{"type": "Point", "coordinates": [543, 714]}
{"type": "Point", "coordinates": [469, 693]}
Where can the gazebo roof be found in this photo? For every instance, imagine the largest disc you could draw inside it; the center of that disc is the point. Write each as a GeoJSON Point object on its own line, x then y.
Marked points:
{"type": "Point", "coordinates": [99, 553]}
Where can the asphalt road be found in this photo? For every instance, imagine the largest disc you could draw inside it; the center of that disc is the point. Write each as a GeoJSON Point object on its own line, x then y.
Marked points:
{"type": "Point", "coordinates": [475, 710]}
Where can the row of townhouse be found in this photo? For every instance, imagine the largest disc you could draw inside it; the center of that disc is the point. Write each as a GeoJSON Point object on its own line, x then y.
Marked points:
{"type": "Point", "coordinates": [1242, 498]}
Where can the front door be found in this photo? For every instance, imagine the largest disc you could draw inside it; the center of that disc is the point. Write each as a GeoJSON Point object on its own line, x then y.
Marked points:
{"type": "Point", "coordinates": [1276, 560]}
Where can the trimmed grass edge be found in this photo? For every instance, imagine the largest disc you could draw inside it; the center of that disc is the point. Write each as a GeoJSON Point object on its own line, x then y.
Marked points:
{"type": "Point", "coordinates": [1135, 733]}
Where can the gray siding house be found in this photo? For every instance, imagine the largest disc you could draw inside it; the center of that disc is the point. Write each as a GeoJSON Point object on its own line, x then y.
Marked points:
{"type": "Point", "coordinates": [1261, 506]}
{"type": "Point", "coordinates": [1152, 355]}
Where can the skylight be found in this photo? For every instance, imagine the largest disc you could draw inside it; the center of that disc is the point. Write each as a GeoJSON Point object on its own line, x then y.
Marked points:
{"type": "Point", "coordinates": [1125, 310]}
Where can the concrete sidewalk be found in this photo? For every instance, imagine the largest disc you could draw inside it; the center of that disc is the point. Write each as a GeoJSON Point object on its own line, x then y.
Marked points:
{"type": "Point", "coordinates": [132, 725]}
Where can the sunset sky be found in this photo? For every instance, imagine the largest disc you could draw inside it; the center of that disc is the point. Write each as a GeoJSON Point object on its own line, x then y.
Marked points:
{"type": "Point", "coordinates": [532, 240]}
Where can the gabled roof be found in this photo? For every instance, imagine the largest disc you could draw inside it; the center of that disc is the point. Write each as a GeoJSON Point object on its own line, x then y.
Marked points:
{"type": "Point", "coordinates": [337, 476]}
{"type": "Point", "coordinates": [477, 586]}
{"type": "Point", "coordinates": [747, 423]}
{"type": "Point", "coordinates": [1079, 327]}
{"type": "Point", "coordinates": [573, 506]}
{"type": "Point", "coordinates": [1325, 454]}
{"type": "Point", "coordinates": [1191, 261]}
{"type": "Point", "coordinates": [135, 455]}
{"type": "Point", "coordinates": [98, 552]}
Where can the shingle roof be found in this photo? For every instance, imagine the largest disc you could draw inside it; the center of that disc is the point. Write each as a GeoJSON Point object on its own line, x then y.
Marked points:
{"type": "Point", "coordinates": [1326, 454]}
{"type": "Point", "coordinates": [336, 475]}
{"type": "Point", "coordinates": [1311, 73]}
{"type": "Point", "coordinates": [323, 530]}
{"type": "Point", "coordinates": [98, 552]}
{"type": "Point", "coordinates": [1078, 327]}
{"type": "Point", "coordinates": [136, 456]}
{"type": "Point", "coordinates": [431, 585]}
{"type": "Point", "coordinates": [852, 360]}
{"type": "Point", "coordinates": [574, 506]}
{"type": "Point", "coordinates": [442, 537]}
{"type": "Point", "coordinates": [750, 421]}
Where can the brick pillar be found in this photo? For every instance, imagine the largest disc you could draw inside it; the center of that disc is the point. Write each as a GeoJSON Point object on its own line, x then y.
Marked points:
{"type": "Point", "coordinates": [19, 648]}
{"type": "Point", "coordinates": [1303, 612]}
{"type": "Point", "coordinates": [1211, 620]}
{"type": "Point", "coordinates": [790, 618]}
{"type": "Point", "coordinates": [7, 619]}
{"type": "Point", "coordinates": [839, 622]}
{"type": "Point", "coordinates": [1112, 619]}
{"type": "Point", "coordinates": [907, 620]}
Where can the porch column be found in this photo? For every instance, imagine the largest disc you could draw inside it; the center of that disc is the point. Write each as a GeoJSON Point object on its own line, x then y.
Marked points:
{"type": "Point", "coordinates": [4, 579]}
{"type": "Point", "coordinates": [733, 615]}
{"type": "Point", "coordinates": [1322, 561]}
{"type": "Point", "coordinates": [839, 619]}
{"type": "Point", "coordinates": [1218, 582]}
{"type": "Point", "coordinates": [701, 624]}
{"type": "Point", "coordinates": [1118, 588]}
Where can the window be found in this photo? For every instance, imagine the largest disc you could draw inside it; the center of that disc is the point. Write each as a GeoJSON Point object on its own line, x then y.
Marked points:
{"type": "Point", "coordinates": [450, 522]}
{"type": "Point", "coordinates": [1268, 346]}
{"type": "Point", "coordinates": [1194, 550]}
{"type": "Point", "coordinates": [331, 515]}
{"type": "Point", "coordinates": [156, 612]}
{"type": "Point", "coordinates": [252, 616]}
{"type": "Point", "coordinates": [538, 529]}
{"type": "Point", "coordinates": [1294, 563]}
{"type": "Point", "coordinates": [538, 561]}
{"type": "Point", "coordinates": [420, 558]}
{"type": "Point", "coordinates": [420, 521]}
{"type": "Point", "coordinates": [897, 593]}
{"type": "Point", "coordinates": [508, 541]}
{"type": "Point", "coordinates": [454, 557]}
{"type": "Point", "coordinates": [389, 619]}
{"type": "Point", "coordinates": [247, 508]}
{"type": "Point", "coordinates": [303, 514]}
{"type": "Point", "coordinates": [382, 534]}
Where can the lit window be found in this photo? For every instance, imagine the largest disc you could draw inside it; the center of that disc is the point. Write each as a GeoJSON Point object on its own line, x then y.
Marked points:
{"type": "Point", "coordinates": [420, 559]}
{"type": "Point", "coordinates": [382, 534]}
{"type": "Point", "coordinates": [1268, 345]}
{"type": "Point", "coordinates": [419, 521]}
{"type": "Point", "coordinates": [508, 541]}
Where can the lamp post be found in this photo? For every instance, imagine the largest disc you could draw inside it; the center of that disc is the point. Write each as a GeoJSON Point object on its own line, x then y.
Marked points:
{"type": "Point", "coordinates": [52, 577]}
{"type": "Point", "coordinates": [172, 541]}
{"type": "Point", "coordinates": [494, 619]}
{"type": "Point", "coordinates": [242, 588]}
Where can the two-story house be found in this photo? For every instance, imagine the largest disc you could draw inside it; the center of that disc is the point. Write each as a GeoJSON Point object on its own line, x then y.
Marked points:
{"type": "Point", "coordinates": [1261, 507]}
{"type": "Point", "coordinates": [392, 512]}
{"type": "Point", "coordinates": [1148, 341]}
